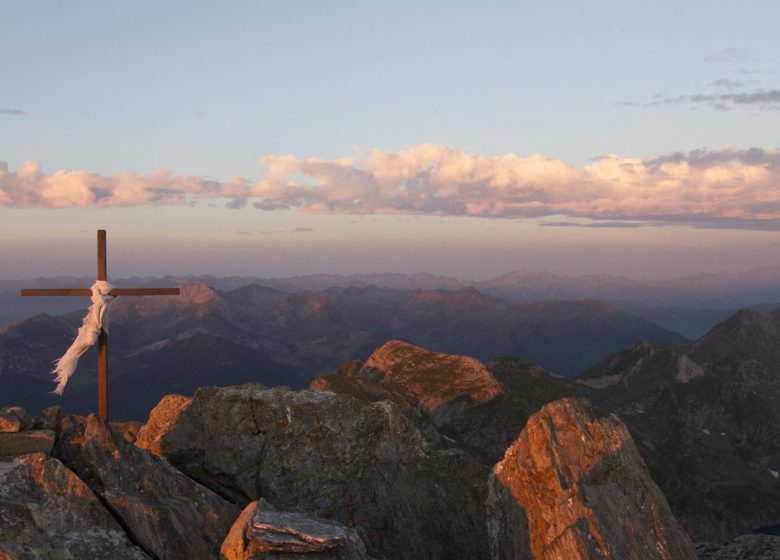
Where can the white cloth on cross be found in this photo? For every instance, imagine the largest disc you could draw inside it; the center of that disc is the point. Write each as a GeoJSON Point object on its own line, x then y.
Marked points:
{"type": "Point", "coordinates": [95, 322]}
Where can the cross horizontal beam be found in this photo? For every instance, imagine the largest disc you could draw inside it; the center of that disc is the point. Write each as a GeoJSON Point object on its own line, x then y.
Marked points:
{"type": "Point", "coordinates": [87, 292]}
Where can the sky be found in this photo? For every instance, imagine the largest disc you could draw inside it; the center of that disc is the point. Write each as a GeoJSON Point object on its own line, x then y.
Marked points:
{"type": "Point", "coordinates": [462, 138]}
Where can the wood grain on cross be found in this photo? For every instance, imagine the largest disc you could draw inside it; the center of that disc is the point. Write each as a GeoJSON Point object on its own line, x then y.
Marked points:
{"type": "Point", "coordinates": [103, 338]}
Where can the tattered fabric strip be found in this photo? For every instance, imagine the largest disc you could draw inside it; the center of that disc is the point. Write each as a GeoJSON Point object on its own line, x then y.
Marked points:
{"type": "Point", "coordinates": [95, 322]}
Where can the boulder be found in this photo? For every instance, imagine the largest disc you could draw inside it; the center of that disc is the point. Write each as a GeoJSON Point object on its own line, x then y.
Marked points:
{"type": "Point", "coordinates": [9, 423]}
{"type": "Point", "coordinates": [29, 441]}
{"type": "Point", "coordinates": [127, 428]}
{"type": "Point", "coordinates": [262, 532]}
{"type": "Point", "coordinates": [14, 419]}
{"type": "Point", "coordinates": [49, 419]}
{"type": "Point", "coordinates": [585, 492]}
{"type": "Point", "coordinates": [161, 418]}
{"type": "Point", "coordinates": [48, 513]}
{"type": "Point", "coordinates": [362, 464]}
{"type": "Point", "coordinates": [753, 547]}
{"type": "Point", "coordinates": [168, 514]}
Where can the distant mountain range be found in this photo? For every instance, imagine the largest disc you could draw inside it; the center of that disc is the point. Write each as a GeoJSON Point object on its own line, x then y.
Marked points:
{"type": "Point", "coordinates": [254, 333]}
{"type": "Point", "coordinates": [689, 305]}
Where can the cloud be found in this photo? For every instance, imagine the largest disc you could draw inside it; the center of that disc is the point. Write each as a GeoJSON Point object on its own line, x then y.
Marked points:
{"type": "Point", "coordinates": [700, 188]}
{"type": "Point", "coordinates": [757, 99]}
{"type": "Point", "coordinates": [17, 112]}
{"type": "Point", "coordinates": [30, 188]}
{"type": "Point", "coordinates": [730, 55]}
{"type": "Point", "coordinates": [440, 180]}
{"type": "Point", "coordinates": [602, 224]}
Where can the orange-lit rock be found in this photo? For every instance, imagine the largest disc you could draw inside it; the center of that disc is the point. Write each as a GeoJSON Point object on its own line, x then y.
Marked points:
{"type": "Point", "coordinates": [403, 372]}
{"type": "Point", "coordinates": [584, 490]}
{"type": "Point", "coordinates": [161, 419]}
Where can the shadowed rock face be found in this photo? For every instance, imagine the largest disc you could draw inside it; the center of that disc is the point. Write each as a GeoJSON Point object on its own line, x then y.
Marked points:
{"type": "Point", "coordinates": [166, 513]}
{"type": "Point", "coordinates": [585, 491]}
{"type": "Point", "coordinates": [48, 513]}
{"type": "Point", "coordinates": [362, 464]}
{"type": "Point", "coordinates": [744, 547]}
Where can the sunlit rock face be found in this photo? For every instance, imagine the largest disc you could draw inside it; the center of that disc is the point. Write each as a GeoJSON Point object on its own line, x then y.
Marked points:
{"type": "Point", "coordinates": [48, 513]}
{"type": "Point", "coordinates": [584, 491]}
{"type": "Point", "coordinates": [362, 464]}
{"type": "Point", "coordinates": [161, 419]}
{"type": "Point", "coordinates": [166, 513]}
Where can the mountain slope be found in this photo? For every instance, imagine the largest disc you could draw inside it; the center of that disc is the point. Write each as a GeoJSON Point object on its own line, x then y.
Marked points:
{"type": "Point", "coordinates": [707, 417]}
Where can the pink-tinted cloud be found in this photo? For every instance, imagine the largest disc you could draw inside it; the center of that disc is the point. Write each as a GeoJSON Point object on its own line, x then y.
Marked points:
{"type": "Point", "coordinates": [30, 188]}
{"type": "Point", "coordinates": [432, 179]}
{"type": "Point", "coordinates": [739, 186]}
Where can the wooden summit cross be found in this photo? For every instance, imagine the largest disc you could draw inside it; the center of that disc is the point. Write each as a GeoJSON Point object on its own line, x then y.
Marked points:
{"type": "Point", "coordinates": [103, 338]}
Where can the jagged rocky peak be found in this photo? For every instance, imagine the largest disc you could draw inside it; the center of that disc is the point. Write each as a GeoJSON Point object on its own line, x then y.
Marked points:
{"type": "Point", "coordinates": [574, 486]}
{"type": "Point", "coordinates": [432, 379]}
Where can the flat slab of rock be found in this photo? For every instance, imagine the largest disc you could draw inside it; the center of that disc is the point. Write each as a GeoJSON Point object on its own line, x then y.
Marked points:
{"type": "Point", "coordinates": [262, 532]}
{"type": "Point", "coordinates": [48, 513]}
{"type": "Point", "coordinates": [585, 492]}
{"type": "Point", "coordinates": [22, 443]}
{"type": "Point", "coordinates": [168, 514]}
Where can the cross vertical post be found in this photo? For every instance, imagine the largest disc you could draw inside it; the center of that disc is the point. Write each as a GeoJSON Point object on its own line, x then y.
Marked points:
{"type": "Point", "coordinates": [103, 338]}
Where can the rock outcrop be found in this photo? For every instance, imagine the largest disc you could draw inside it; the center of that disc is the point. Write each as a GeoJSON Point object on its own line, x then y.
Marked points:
{"type": "Point", "coordinates": [48, 513]}
{"type": "Point", "coordinates": [480, 409]}
{"type": "Point", "coordinates": [362, 464]}
{"type": "Point", "coordinates": [584, 490]}
{"type": "Point", "coordinates": [166, 513]}
{"type": "Point", "coordinates": [161, 419]}
{"type": "Point", "coordinates": [262, 532]}
{"type": "Point", "coordinates": [413, 376]}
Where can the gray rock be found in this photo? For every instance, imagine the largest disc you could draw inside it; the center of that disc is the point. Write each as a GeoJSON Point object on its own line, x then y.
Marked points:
{"type": "Point", "coordinates": [753, 547]}
{"type": "Point", "coordinates": [49, 419]}
{"type": "Point", "coordinates": [362, 464]}
{"type": "Point", "coordinates": [262, 532]}
{"type": "Point", "coordinates": [585, 491]}
{"type": "Point", "coordinates": [30, 441]}
{"type": "Point", "coordinates": [48, 513]}
{"type": "Point", "coordinates": [169, 515]}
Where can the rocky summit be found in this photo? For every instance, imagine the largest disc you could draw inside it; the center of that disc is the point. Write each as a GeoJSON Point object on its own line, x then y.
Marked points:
{"type": "Point", "coordinates": [411, 454]}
